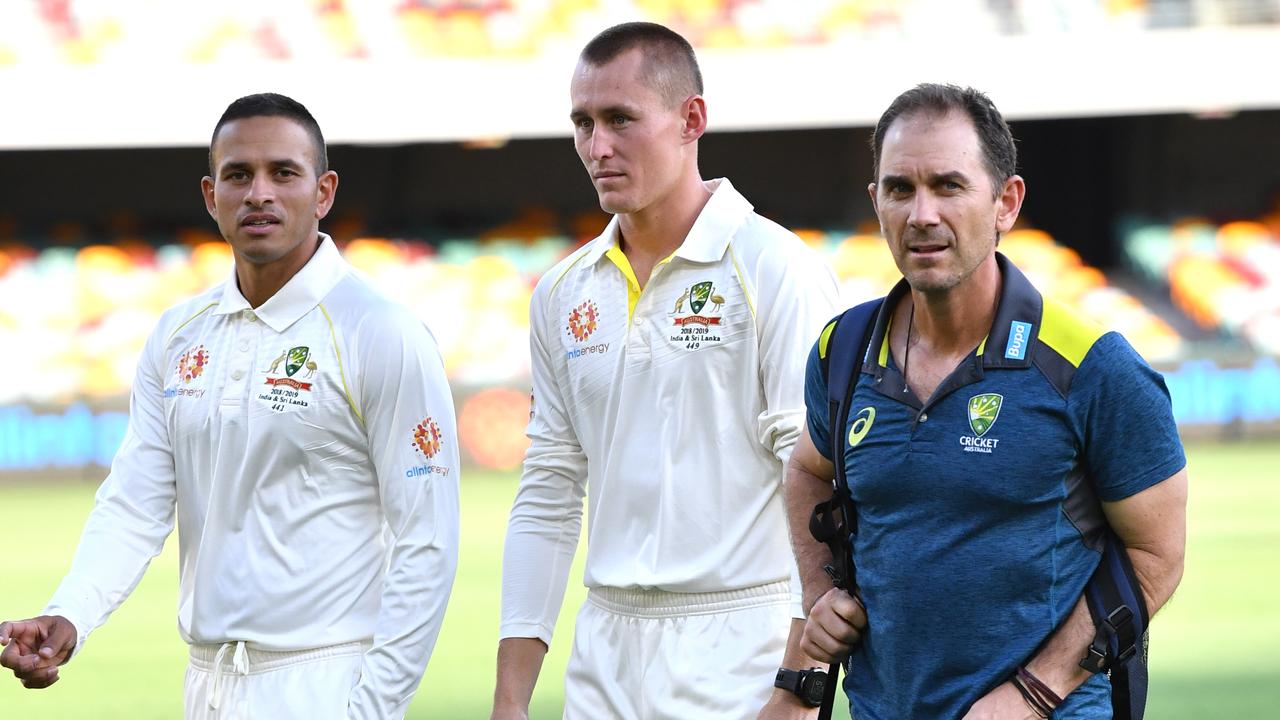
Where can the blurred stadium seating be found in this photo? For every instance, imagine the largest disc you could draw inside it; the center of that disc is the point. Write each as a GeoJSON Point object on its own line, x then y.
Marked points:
{"type": "Point", "coordinates": [82, 315]}
{"type": "Point", "coordinates": [76, 303]}
{"type": "Point", "coordinates": [92, 31]}
{"type": "Point", "coordinates": [1225, 277]}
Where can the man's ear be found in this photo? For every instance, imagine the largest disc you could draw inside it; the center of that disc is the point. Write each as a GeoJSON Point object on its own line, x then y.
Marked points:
{"type": "Point", "coordinates": [210, 202]}
{"type": "Point", "coordinates": [693, 113]}
{"type": "Point", "coordinates": [1009, 203]}
{"type": "Point", "coordinates": [326, 191]}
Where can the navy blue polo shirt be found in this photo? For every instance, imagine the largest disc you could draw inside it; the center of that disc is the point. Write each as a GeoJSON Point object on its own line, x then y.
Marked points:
{"type": "Point", "coordinates": [978, 520]}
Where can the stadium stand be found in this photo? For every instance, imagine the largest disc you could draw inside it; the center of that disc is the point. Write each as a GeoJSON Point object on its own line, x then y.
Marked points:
{"type": "Point", "coordinates": [87, 32]}
{"type": "Point", "coordinates": [1226, 278]}
{"type": "Point", "coordinates": [82, 314]}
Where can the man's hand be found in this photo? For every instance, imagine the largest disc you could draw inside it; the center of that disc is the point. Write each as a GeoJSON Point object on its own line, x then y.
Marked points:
{"type": "Point", "coordinates": [1002, 703]}
{"type": "Point", "coordinates": [835, 625]}
{"type": "Point", "coordinates": [34, 648]}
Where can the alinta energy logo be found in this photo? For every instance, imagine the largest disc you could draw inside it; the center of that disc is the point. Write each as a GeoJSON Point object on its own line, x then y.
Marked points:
{"type": "Point", "coordinates": [984, 409]}
{"type": "Point", "coordinates": [583, 320]}
{"type": "Point", "coordinates": [191, 364]}
{"type": "Point", "coordinates": [428, 441]}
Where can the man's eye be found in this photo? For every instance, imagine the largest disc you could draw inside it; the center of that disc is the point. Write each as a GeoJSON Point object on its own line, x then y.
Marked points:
{"type": "Point", "coordinates": [237, 175]}
{"type": "Point", "coordinates": [583, 123]}
{"type": "Point", "coordinates": [620, 119]}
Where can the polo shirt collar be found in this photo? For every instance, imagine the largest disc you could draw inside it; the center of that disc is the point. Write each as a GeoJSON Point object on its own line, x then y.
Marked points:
{"type": "Point", "coordinates": [709, 237]}
{"type": "Point", "coordinates": [1007, 345]}
{"type": "Point", "coordinates": [299, 296]}
{"type": "Point", "coordinates": [1017, 322]}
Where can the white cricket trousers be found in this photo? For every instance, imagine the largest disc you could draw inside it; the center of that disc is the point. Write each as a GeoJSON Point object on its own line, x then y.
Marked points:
{"type": "Point", "coordinates": [237, 681]}
{"type": "Point", "coordinates": [653, 655]}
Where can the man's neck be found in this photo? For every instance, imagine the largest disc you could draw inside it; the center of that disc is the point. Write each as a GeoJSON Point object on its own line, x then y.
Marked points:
{"type": "Point", "coordinates": [956, 320]}
{"type": "Point", "coordinates": [259, 282]}
{"type": "Point", "coordinates": [651, 234]}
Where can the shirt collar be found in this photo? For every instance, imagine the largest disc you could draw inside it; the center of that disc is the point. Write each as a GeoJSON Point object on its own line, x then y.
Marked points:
{"type": "Point", "coordinates": [299, 296]}
{"type": "Point", "coordinates": [1013, 331]}
{"type": "Point", "coordinates": [709, 237]}
{"type": "Point", "coordinates": [1017, 323]}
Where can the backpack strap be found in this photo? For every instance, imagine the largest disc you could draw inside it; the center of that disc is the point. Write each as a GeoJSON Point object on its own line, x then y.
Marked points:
{"type": "Point", "coordinates": [848, 345]}
{"type": "Point", "coordinates": [1120, 619]}
{"type": "Point", "coordinates": [842, 349]}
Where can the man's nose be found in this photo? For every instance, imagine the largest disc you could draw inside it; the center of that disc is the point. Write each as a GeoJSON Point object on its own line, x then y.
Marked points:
{"type": "Point", "coordinates": [924, 209]}
{"type": "Point", "coordinates": [261, 190]}
{"type": "Point", "coordinates": [601, 143]}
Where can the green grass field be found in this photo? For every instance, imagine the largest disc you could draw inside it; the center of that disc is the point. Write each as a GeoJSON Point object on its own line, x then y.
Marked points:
{"type": "Point", "coordinates": [1214, 648]}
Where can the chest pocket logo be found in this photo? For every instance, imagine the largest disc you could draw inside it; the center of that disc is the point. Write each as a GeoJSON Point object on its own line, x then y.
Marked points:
{"type": "Point", "coordinates": [861, 425]}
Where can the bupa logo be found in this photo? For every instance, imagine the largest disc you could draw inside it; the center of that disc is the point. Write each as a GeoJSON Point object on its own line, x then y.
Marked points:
{"type": "Point", "coordinates": [1019, 335]}
{"type": "Point", "coordinates": [861, 425]}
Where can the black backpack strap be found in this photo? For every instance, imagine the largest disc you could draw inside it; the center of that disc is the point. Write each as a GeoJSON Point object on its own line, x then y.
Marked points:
{"type": "Point", "coordinates": [847, 349]}
{"type": "Point", "coordinates": [1120, 618]}
{"type": "Point", "coordinates": [842, 349]}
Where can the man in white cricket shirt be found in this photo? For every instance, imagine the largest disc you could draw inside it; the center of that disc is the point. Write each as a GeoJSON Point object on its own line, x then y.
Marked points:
{"type": "Point", "coordinates": [668, 360]}
{"type": "Point", "coordinates": [299, 428]}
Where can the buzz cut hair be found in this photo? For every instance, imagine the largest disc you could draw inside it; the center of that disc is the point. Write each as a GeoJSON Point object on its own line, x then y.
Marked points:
{"type": "Point", "coordinates": [273, 105]}
{"type": "Point", "coordinates": [670, 66]}
{"type": "Point", "coordinates": [999, 152]}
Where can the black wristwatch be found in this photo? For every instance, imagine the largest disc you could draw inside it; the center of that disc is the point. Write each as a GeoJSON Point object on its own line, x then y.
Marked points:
{"type": "Point", "coordinates": [808, 685]}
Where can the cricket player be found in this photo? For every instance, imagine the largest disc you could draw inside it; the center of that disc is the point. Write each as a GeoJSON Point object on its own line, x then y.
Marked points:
{"type": "Point", "coordinates": [299, 428]}
{"type": "Point", "coordinates": [668, 364]}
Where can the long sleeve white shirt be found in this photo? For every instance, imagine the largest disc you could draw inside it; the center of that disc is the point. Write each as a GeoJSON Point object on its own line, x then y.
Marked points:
{"type": "Point", "coordinates": [309, 452]}
{"type": "Point", "coordinates": [673, 410]}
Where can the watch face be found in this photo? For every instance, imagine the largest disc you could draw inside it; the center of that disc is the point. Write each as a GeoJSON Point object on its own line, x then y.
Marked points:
{"type": "Point", "coordinates": [815, 688]}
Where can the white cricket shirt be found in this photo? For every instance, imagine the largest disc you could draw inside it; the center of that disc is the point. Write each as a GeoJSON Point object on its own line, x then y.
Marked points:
{"type": "Point", "coordinates": [309, 450]}
{"type": "Point", "coordinates": [673, 409]}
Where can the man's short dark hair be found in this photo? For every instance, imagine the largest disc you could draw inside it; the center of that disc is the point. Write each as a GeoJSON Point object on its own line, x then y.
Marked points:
{"type": "Point", "coordinates": [998, 150]}
{"type": "Point", "coordinates": [670, 67]}
{"type": "Point", "coordinates": [273, 105]}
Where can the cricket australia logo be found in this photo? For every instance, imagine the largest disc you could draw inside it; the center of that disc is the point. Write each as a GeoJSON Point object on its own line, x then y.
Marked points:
{"type": "Point", "coordinates": [984, 410]}
{"type": "Point", "coordinates": [287, 392]}
{"type": "Point", "coordinates": [427, 441]}
{"type": "Point", "coordinates": [693, 328]}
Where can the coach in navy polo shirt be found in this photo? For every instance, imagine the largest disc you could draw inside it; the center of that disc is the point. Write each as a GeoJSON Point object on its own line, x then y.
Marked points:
{"type": "Point", "coordinates": [985, 426]}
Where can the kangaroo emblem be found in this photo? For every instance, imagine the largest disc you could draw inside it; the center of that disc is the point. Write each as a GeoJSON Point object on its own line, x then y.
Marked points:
{"type": "Point", "coordinates": [276, 363]}
{"type": "Point", "coordinates": [680, 301]}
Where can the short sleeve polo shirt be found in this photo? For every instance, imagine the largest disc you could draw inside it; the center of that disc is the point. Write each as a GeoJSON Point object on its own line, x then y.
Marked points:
{"type": "Point", "coordinates": [977, 510]}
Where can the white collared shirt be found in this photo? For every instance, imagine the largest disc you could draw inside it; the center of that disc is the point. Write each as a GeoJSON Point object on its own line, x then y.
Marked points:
{"type": "Point", "coordinates": [309, 449]}
{"type": "Point", "coordinates": [672, 409]}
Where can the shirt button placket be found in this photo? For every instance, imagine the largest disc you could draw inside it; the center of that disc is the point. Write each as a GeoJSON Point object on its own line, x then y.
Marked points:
{"type": "Point", "coordinates": [243, 359]}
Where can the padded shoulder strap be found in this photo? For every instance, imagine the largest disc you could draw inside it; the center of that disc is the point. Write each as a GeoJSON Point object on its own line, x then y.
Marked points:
{"type": "Point", "coordinates": [843, 348]}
